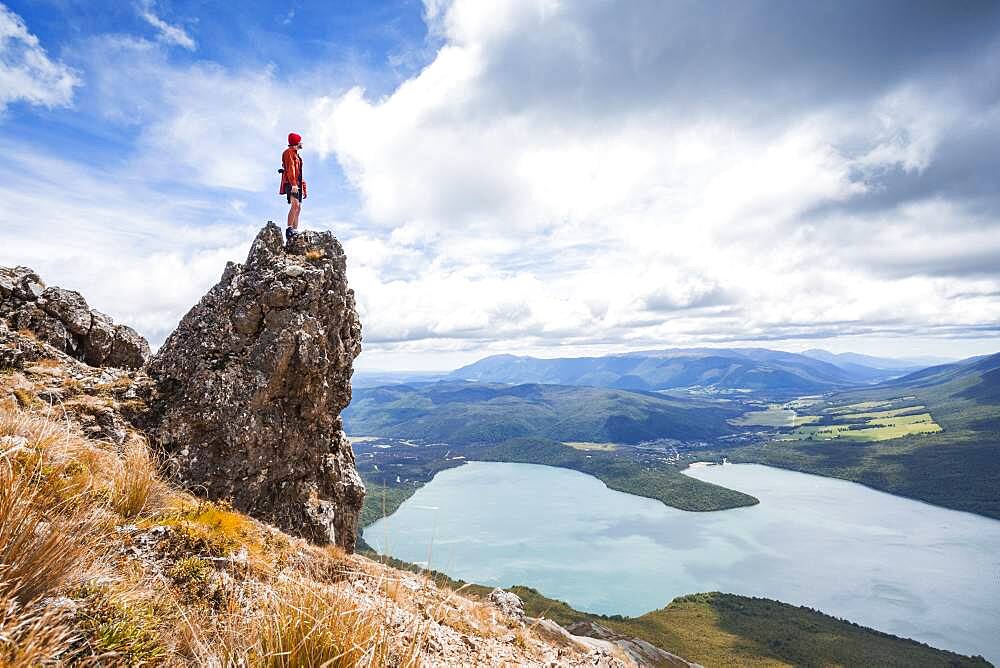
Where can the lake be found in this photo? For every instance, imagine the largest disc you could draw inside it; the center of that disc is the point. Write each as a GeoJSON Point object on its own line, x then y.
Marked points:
{"type": "Point", "coordinates": [894, 564]}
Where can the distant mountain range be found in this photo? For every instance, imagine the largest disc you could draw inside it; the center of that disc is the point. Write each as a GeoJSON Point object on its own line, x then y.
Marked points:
{"type": "Point", "coordinates": [755, 369]}
{"type": "Point", "coordinates": [905, 365]}
{"type": "Point", "coordinates": [976, 379]}
{"type": "Point", "coordinates": [462, 413]}
{"type": "Point", "coordinates": [363, 378]}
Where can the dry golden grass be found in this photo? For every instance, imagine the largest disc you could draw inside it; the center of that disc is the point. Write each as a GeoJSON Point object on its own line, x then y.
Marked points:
{"type": "Point", "coordinates": [116, 386]}
{"type": "Point", "coordinates": [468, 617]}
{"type": "Point", "coordinates": [38, 553]}
{"type": "Point", "coordinates": [72, 386]}
{"type": "Point", "coordinates": [314, 254]}
{"type": "Point", "coordinates": [135, 484]}
{"type": "Point", "coordinates": [87, 404]}
{"type": "Point", "coordinates": [25, 397]}
{"type": "Point", "coordinates": [298, 622]}
{"type": "Point", "coordinates": [32, 635]}
{"type": "Point", "coordinates": [313, 626]}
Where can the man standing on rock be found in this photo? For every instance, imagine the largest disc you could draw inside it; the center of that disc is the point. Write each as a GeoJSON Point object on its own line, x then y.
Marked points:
{"type": "Point", "coordinates": [293, 186]}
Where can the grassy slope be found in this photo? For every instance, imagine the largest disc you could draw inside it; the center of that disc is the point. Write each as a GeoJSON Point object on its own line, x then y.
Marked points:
{"type": "Point", "coordinates": [716, 629]}
{"type": "Point", "coordinates": [727, 630]}
{"type": "Point", "coordinates": [654, 480]}
{"type": "Point", "coordinates": [956, 468]}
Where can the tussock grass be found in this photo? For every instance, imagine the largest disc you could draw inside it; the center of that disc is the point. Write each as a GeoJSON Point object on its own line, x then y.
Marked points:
{"type": "Point", "coordinates": [467, 616]}
{"type": "Point", "coordinates": [299, 622]}
{"type": "Point", "coordinates": [117, 386]}
{"type": "Point", "coordinates": [88, 404]}
{"type": "Point", "coordinates": [135, 484]}
{"type": "Point", "coordinates": [38, 554]}
{"type": "Point", "coordinates": [25, 397]}
{"type": "Point", "coordinates": [119, 628]}
{"type": "Point", "coordinates": [32, 634]}
{"type": "Point", "coordinates": [312, 626]}
{"type": "Point", "coordinates": [72, 386]}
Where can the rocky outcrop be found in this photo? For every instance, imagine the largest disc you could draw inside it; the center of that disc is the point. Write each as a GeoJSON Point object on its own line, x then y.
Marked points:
{"type": "Point", "coordinates": [251, 384]}
{"type": "Point", "coordinates": [62, 319]}
{"type": "Point", "coordinates": [507, 602]}
{"type": "Point", "coordinates": [606, 646]}
{"type": "Point", "coordinates": [640, 651]}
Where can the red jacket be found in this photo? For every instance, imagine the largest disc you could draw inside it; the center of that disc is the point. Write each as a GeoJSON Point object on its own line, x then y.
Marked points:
{"type": "Point", "coordinates": [291, 162]}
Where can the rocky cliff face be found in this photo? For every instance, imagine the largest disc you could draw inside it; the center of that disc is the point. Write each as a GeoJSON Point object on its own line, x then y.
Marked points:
{"type": "Point", "coordinates": [250, 386]}
{"type": "Point", "coordinates": [62, 319]}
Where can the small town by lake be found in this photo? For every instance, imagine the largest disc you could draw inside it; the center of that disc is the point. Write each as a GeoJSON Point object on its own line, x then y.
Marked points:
{"type": "Point", "coordinates": [894, 564]}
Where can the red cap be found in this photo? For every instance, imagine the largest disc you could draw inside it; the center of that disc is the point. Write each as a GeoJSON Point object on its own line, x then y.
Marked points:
{"type": "Point", "coordinates": [294, 139]}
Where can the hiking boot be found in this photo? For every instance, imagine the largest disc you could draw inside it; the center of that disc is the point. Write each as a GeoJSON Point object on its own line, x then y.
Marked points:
{"type": "Point", "coordinates": [289, 234]}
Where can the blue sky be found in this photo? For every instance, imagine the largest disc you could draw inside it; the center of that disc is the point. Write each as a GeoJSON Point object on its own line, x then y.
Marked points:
{"type": "Point", "coordinates": [526, 176]}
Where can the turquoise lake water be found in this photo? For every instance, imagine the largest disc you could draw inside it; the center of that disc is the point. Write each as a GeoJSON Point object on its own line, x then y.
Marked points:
{"type": "Point", "coordinates": [894, 564]}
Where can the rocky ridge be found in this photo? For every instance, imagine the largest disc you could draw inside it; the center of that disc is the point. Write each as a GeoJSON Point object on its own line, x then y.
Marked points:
{"type": "Point", "coordinates": [64, 320]}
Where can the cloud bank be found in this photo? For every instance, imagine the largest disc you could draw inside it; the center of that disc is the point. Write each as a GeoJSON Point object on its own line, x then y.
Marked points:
{"type": "Point", "coordinates": [673, 173]}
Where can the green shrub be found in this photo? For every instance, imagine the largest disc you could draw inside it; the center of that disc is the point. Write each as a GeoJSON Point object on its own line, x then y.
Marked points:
{"type": "Point", "coordinates": [123, 633]}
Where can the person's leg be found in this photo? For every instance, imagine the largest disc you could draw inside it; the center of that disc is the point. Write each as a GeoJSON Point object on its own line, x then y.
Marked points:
{"type": "Point", "coordinates": [293, 213]}
{"type": "Point", "coordinates": [297, 208]}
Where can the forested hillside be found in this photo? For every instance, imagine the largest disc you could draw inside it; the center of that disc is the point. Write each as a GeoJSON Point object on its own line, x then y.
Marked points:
{"type": "Point", "coordinates": [464, 413]}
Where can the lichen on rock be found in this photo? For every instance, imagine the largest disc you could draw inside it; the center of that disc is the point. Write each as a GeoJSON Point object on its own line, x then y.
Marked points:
{"type": "Point", "coordinates": [251, 384]}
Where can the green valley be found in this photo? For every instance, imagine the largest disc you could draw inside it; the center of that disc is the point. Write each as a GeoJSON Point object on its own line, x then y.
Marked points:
{"type": "Point", "coordinates": [933, 436]}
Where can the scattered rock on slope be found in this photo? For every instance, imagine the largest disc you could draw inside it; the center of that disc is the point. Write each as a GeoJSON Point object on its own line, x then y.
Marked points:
{"type": "Point", "coordinates": [251, 384]}
{"type": "Point", "coordinates": [62, 319]}
{"type": "Point", "coordinates": [640, 651]}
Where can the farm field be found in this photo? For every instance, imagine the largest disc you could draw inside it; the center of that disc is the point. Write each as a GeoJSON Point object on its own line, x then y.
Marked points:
{"type": "Point", "coordinates": [931, 436]}
{"type": "Point", "coordinates": [585, 445]}
{"type": "Point", "coordinates": [776, 415]}
{"type": "Point", "coordinates": [865, 421]}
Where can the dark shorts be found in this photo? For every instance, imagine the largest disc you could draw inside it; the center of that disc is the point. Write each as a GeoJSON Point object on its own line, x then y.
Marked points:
{"type": "Point", "coordinates": [289, 195]}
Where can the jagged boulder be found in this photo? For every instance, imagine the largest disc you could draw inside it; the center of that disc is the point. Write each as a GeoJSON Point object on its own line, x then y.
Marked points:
{"type": "Point", "coordinates": [507, 602]}
{"type": "Point", "coordinates": [62, 319]}
{"type": "Point", "coordinates": [251, 384]}
{"type": "Point", "coordinates": [69, 307]}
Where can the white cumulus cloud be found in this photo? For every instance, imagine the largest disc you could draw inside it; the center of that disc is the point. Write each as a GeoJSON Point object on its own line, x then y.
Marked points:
{"type": "Point", "coordinates": [566, 192]}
